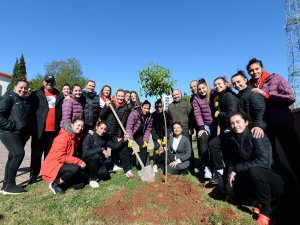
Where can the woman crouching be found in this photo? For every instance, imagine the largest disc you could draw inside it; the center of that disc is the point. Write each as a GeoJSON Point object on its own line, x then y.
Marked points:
{"type": "Point", "coordinates": [62, 166]}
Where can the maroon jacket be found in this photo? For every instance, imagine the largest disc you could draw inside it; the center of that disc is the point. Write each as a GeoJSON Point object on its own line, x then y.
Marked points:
{"type": "Point", "coordinates": [134, 122]}
{"type": "Point", "coordinates": [202, 112]}
{"type": "Point", "coordinates": [279, 97]}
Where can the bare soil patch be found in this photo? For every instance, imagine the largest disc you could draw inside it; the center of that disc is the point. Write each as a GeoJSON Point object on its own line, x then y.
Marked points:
{"type": "Point", "coordinates": [177, 202]}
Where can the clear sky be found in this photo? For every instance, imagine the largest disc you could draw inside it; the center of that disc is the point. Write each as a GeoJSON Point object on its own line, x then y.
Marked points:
{"type": "Point", "coordinates": [114, 39]}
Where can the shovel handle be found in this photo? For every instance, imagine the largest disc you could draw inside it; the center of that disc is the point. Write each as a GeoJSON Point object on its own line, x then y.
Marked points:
{"type": "Point", "coordinates": [123, 129]}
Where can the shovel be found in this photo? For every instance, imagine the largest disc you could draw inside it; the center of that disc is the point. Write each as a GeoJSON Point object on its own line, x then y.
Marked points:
{"type": "Point", "coordinates": [146, 173]}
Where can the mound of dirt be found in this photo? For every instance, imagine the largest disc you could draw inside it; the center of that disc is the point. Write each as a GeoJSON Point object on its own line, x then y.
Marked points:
{"type": "Point", "coordinates": [178, 202]}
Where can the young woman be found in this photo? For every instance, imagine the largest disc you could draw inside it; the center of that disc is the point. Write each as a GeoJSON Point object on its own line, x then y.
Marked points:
{"type": "Point", "coordinates": [250, 103]}
{"type": "Point", "coordinates": [225, 104]}
{"type": "Point", "coordinates": [14, 132]}
{"type": "Point", "coordinates": [134, 100]}
{"type": "Point", "coordinates": [138, 128]}
{"type": "Point", "coordinates": [62, 167]}
{"type": "Point", "coordinates": [179, 151]}
{"type": "Point", "coordinates": [279, 98]}
{"type": "Point", "coordinates": [95, 153]}
{"type": "Point", "coordinates": [66, 90]}
{"type": "Point", "coordinates": [250, 172]}
{"type": "Point", "coordinates": [72, 107]}
{"type": "Point", "coordinates": [105, 95]}
{"type": "Point", "coordinates": [203, 119]}
{"type": "Point", "coordinates": [90, 104]}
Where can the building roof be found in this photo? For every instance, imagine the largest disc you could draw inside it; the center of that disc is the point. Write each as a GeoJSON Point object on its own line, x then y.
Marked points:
{"type": "Point", "coordinates": [5, 75]}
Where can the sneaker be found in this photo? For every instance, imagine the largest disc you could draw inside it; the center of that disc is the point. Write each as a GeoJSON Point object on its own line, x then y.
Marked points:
{"type": "Point", "coordinates": [263, 219]}
{"type": "Point", "coordinates": [116, 168]}
{"type": "Point", "coordinates": [32, 179]}
{"type": "Point", "coordinates": [155, 170]}
{"type": "Point", "coordinates": [94, 184]}
{"type": "Point", "coordinates": [129, 174]}
{"type": "Point", "coordinates": [3, 187]}
{"type": "Point", "coordinates": [13, 189]}
{"type": "Point", "coordinates": [216, 179]}
{"type": "Point", "coordinates": [207, 173]}
{"type": "Point", "coordinates": [55, 188]}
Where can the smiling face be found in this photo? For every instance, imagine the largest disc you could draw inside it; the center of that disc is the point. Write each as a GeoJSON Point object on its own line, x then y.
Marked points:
{"type": "Point", "coordinates": [101, 130]}
{"type": "Point", "coordinates": [106, 92]}
{"type": "Point", "coordinates": [220, 85]}
{"type": "Point", "coordinates": [255, 70]}
{"type": "Point", "coordinates": [21, 88]}
{"type": "Point", "coordinates": [177, 130]}
{"type": "Point", "coordinates": [77, 91]}
{"type": "Point", "coordinates": [238, 124]}
{"type": "Point", "coordinates": [90, 86]}
{"type": "Point", "coordinates": [239, 82]}
{"type": "Point", "coordinates": [145, 109]}
{"type": "Point", "coordinates": [202, 90]}
{"type": "Point", "coordinates": [176, 95]}
{"type": "Point", "coordinates": [66, 90]}
{"type": "Point", "coordinates": [120, 96]}
{"type": "Point", "coordinates": [133, 97]}
{"type": "Point", "coordinates": [193, 87]}
{"type": "Point", "coordinates": [49, 85]}
{"type": "Point", "coordinates": [77, 126]}
{"type": "Point", "coordinates": [159, 108]}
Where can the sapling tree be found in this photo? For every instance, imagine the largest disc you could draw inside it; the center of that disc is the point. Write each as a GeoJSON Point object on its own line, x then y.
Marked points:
{"type": "Point", "coordinates": [156, 80]}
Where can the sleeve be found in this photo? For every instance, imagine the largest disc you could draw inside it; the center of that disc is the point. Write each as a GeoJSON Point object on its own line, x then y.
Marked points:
{"type": "Point", "coordinates": [88, 148]}
{"type": "Point", "coordinates": [61, 144]}
{"type": "Point", "coordinates": [153, 130]}
{"type": "Point", "coordinates": [261, 156]}
{"type": "Point", "coordinates": [123, 121]}
{"type": "Point", "coordinates": [186, 149]}
{"type": "Point", "coordinates": [116, 144]}
{"type": "Point", "coordinates": [197, 113]}
{"type": "Point", "coordinates": [105, 111]}
{"type": "Point", "coordinates": [190, 115]}
{"type": "Point", "coordinates": [67, 109]}
{"type": "Point", "coordinates": [131, 121]}
{"type": "Point", "coordinates": [6, 123]}
{"type": "Point", "coordinates": [231, 106]}
{"type": "Point", "coordinates": [148, 129]}
{"type": "Point", "coordinates": [257, 106]}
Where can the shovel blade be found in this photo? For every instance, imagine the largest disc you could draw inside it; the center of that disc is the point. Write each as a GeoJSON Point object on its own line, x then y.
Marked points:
{"type": "Point", "coordinates": [147, 174]}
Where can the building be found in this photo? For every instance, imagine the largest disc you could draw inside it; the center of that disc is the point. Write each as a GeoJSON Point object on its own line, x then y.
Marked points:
{"type": "Point", "coordinates": [167, 100]}
{"type": "Point", "coordinates": [4, 81]}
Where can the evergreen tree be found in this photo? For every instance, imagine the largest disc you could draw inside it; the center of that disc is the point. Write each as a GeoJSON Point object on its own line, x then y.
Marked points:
{"type": "Point", "coordinates": [14, 76]}
{"type": "Point", "coordinates": [22, 67]}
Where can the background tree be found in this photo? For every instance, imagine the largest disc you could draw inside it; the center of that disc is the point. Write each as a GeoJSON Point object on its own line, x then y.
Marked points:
{"type": "Point", "coordinates": [65, 71]}
{"type": "Point", "coordinates": [156, 80]}
{"type": "Point", "coordinates": [18, 71]}
{"type": "Point", "coordinates": [186, 96]}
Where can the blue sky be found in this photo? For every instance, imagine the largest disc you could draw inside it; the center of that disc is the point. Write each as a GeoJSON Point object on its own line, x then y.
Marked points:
{"type": "Point", "coordinates": [114, 39]}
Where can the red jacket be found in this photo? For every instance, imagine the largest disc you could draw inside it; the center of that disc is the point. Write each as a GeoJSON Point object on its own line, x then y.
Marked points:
{"type": "Point", "coordinates": [61, 152]}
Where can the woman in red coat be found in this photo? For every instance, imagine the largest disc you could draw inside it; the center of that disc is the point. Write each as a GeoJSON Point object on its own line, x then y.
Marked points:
{"type": "Point", "coordinates": [62, 166]}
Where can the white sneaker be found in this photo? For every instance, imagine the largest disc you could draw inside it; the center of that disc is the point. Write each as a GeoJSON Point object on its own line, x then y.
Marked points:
{"type": "Point", "coordinates": [94, 184]}
{"type": "Point", "coordinates": [207, 173]}
{"type": "Point", "coordinates": [129, 174]}
{"type": "Point", "coordinates": [155, 170]}
{"type": "Point", "coordinates": [116, 168]}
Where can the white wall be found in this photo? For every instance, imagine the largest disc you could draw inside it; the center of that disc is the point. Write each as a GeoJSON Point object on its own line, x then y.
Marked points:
{"type": "Point", "coordinates": [4, 81]}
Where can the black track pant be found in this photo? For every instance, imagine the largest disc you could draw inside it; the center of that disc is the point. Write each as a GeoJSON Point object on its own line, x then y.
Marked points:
{"type": "Point", "coordinates": [69, 173]}
{"type": "Point", "coordinates": [15, 145]}
{"type": "Point", "coordinates": [202, 145]}
{"type": "Point", "coordinates": [218, 148]}
{"type": "Point", "coordinates": [38, 148]}
{"type": "Point", "coordinates": [96, 167]}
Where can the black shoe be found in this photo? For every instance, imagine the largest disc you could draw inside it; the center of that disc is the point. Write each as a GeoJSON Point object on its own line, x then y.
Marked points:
{"type": "Point", "coordinates": [78, 186]}
{"type": "Point", "coordinates": [55, 188]}
{"type": "Point", "coordinates": [3, 187]}
{"type": "Point", "coordinates": [32, 179]}
{"type": "Point", "coordinates": [13, 189]}
{"type": "Point", "coordinates": [216, 179]}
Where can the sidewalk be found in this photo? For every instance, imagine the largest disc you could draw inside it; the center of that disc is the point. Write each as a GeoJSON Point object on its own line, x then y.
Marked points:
{"type": "Point", "coordinates": [23, 172]}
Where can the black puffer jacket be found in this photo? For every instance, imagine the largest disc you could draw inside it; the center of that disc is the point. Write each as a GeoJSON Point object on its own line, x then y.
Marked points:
{"type": "Point", "coordinates": [253, 105]}
{"type": "Point", "coordinates": [94, 144]}
{"type": "Point", "coordinates": [91, 108]}
{"type": "Point", "coordinates": [228, 106]}
{"type": "Point", "coordinates": [14, 113]}
{"type": "Point", "coordinates": [247, 152]}
{"type": "Point", "coordinates": [40, 110]}
{"type": "Point", "coordinates": [113, 128]}
{"type": "Point", "coordinates": [158, 125]}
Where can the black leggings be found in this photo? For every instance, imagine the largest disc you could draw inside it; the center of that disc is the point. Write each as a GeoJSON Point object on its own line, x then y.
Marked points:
{"type": "Point", "coordinates": [202, 145]}
{"type": "Point", "coordinates": [15, 145]}
{"type": "Point", "coordinates": [69, 173]}
{"type": "Point", "coordinates": [97, 168]}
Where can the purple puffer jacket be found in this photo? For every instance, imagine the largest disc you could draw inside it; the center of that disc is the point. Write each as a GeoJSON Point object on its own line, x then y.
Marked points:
{"type": "Point", "coordinates": [134, 122]}
{"type": "Point", "coordinates": [279, 115]}
{"type": "Point", "coordinates": [71, 108]}
{"type": "Point", "coordinates": [202, 112]}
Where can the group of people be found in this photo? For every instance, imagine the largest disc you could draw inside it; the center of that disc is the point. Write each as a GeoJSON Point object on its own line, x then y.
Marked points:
{"type": "Point", "coordinates": [81, 135]}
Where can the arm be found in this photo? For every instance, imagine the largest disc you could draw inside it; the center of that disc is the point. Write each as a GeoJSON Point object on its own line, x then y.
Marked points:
{"type": "Point", "coordinates": [130, 123]}
{"type": "Point", "coordinates": [5, 108]}
{"type": "Point", "coordinates": [231, 106]}
{"type": "Point", "coordinates": [198, 114]}
{"type": "Point", "coordinates": [148, 129]}
{"type": "Point", "coordinates": [88, 148]}
{"type": "Point", "coordinates": [257, 107]}
{"type": "Point", "coordinates": [186, 149]}
{"type": "Point", "coordinates": [67, 111]}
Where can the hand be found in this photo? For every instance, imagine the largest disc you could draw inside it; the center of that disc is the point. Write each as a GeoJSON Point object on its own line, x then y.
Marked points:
{"type": "Point", "coordinates": [145, 144]}
{"type": "Point", "coordinates": [119, 139]}
{"type": "Point", "coordinates": [257, 132]}
{"type": "Point", "coordinates": [91, 132]}
{"type": "Point", "coordinates": [130, 143]}
{"type": "Point", "coordinates": [126, 136]}
{"type": "Point", "coordinates": [231, 178]}
{"type": "Point", "coordinates": [173, 164]}
{"type": "Point", "coordinates": [217, 114]}
{"type": "Point", "coordinates": [106, 153]}
{"type": "Point", "coordinates": [259, 91]}
{"type": "Point", "coordinates": [108, 103]}
{"type": "Point", "coordinates": [164, 141]}
{"type": "Point", "coordinates": [82, 165]}
{"type": "Point", "coordinates": [159, 142]}
{"type": "Point", "coordinates": [202, 132]}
